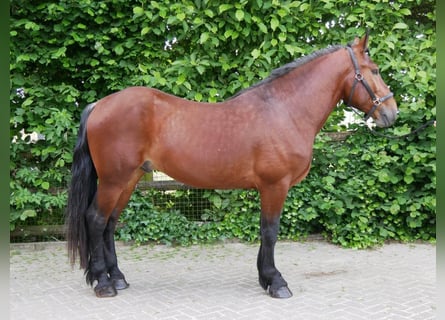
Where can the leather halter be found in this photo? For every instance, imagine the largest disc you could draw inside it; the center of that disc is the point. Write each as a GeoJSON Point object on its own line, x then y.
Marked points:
{"type": "Point", "coordinates": [359, 78]}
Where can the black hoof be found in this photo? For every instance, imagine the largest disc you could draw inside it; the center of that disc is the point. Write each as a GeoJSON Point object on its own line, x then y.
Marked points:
{"type": "Point", "coordinates": [105, 292]}
{"type": "Point", "coordinates": [280, 293]}
{"type": "Point", "coordinates": [120, 284]}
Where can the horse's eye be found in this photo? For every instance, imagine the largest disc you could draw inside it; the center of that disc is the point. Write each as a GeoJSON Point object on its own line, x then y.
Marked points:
{"type": "Point", "coordinates": [375, 71]}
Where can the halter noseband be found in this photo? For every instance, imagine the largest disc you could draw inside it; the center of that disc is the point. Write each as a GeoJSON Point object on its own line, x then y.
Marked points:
{"type": "Point", "coordinates": [359, 78]}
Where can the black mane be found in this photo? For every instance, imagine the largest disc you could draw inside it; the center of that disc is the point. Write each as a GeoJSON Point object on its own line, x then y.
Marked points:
{"type": "Point", "coordinates": [283, 70]}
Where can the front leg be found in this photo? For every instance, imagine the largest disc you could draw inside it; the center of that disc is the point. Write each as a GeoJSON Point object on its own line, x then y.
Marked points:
{"type": "Point", "coordinates": [270, 278]}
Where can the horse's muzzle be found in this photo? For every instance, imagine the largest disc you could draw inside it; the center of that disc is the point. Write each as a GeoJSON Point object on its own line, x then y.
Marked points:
{"type": "Point", "coordinates": [386, 117]}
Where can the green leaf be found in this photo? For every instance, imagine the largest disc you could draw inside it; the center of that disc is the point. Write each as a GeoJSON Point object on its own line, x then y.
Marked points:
{"type": "Point", "coordinates": [138, 11]}
{"type": "Point", "coordinates": [32, 25]}
{"type": "Point", "coordinates": [239, 15]}
{"type": "Point", "coordinates": [405, 11]}
{"type": "Point", "coordinates": [352, 18]}
{"type": "Point", "coordinates": [400, 25]}
{"type": "Point", "coordinates": [408, 179]}
{"type": "Point", "coordinates": [363, 219]}
{"type": "Point", "coordinates": [216, 201]}
{"type": "Point", "coordinates": [225, 7]}
{"type": "Point", "coordinates": [201, 69]}
{"type": "Point", "coordinates": [94, 62]}
{"type": "Point", "coordinates": [145, 30]}
{"type": "Point", "coordinates": [383, 176]}
{"type": "Point", "coordinates": [28, 214]}
{"type": "Point", "coordinates": [274, 23]}
{"type": "Point", "coordinates": [262, 27]}
{"type": "Point", "coordinates": [304, 6]}
{"type": "Point", "coordinates": [255, 53]}
{"type": "Point", "coordinates": [27, 102]}
{"type": "Point", "coordinates": [203, 38]}
{"type": "Point", "coordinates": [213, 92]}
{"type": "Point", "coordinates": [394, 209]}
{"type": "Point", "coordinates": [289, 48]}
{"type": "Point", "coordinates": [119, 50]}
{"type": "Point", "coordinates": [198, 96]}
{"type": "Point", "coordinates": [383, 232]}
{"type": "Point", "coordinates": [282, 37]}
{"type": "Point", "coordinates": [181, 16]}
{"type": "Point", "coordinates": [329, 180]}
{"type": "Point", "coordinates": [209, 13]}
{"type": "Point", "coordinates": [58, 53]}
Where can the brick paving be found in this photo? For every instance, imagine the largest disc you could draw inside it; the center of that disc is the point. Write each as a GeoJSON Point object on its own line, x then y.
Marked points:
{"type": "Point", "coordinates": [395, 281]}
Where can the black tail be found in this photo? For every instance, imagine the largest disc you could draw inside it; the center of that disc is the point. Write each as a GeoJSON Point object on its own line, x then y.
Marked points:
{"type": "Point", "coordinates": [82, 189]}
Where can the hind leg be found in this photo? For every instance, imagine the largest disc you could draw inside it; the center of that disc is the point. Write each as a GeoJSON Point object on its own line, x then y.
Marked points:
{"type": "Point", "coordinates": [97, 270]}
{"type": "Point", "coordinates": [101, 222]}
{"type": "Point", "coordinates": [116, 276]}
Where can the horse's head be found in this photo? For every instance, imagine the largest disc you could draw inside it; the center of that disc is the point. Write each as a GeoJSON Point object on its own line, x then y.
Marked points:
{"type": "Point", "coordinates": [365, 89]}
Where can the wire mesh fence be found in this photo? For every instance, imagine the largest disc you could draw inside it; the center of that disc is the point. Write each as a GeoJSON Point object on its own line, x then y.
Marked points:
{"type": "Point", "coordinates": [157, 188]}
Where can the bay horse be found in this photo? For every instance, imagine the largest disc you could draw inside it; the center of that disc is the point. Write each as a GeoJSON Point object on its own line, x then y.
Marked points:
{"type": "Point", "coordinates": [261, 138]}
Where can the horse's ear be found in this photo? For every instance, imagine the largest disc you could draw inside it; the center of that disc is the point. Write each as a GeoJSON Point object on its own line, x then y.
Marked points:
{"type": "Point", "coordinates": [365, 40]}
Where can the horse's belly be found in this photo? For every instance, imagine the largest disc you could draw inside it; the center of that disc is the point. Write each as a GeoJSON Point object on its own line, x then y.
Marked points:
{"type": "Point", "coordinates": [208, 180]}
{"type": "Point", "coordinates": [207, 174]}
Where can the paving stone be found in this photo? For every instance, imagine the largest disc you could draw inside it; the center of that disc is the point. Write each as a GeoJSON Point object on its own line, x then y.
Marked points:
{"type": "Point", "coordinates": [220, 281]}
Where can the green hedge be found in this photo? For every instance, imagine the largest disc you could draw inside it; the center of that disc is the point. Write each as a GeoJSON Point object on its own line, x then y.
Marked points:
{"type": "Point", "coordinates": [66, 54]}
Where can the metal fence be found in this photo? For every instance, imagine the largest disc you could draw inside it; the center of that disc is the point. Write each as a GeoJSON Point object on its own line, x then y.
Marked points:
{"type": "Point", "coordinates": [159, 189]}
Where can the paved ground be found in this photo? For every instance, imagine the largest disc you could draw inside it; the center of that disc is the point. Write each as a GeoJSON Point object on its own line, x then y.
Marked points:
{"type": "Point", "coordinates": [396, 281]}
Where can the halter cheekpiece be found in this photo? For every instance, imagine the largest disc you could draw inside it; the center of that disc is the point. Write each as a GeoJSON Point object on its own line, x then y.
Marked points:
{"type": "Point", "coordinates": [359, 78]}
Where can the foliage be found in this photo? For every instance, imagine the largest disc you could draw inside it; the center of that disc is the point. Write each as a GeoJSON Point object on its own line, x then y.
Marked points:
{"type": "Point", "coordinates": [383, 198]}
{"type": "Point", "coordinates": [145, 222]}
{"type": "Point", "coordinates": [66, 54]}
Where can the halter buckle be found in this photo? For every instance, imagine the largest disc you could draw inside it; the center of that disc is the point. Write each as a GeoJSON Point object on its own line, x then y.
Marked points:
{"type": "Point", "coordinates": [359, 76]}
{"type": "Point", "coordinates": [377, 102]}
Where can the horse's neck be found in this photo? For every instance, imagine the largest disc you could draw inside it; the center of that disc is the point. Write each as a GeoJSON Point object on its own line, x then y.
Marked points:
{"type": "Point", "coordinates": [312, 91]}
